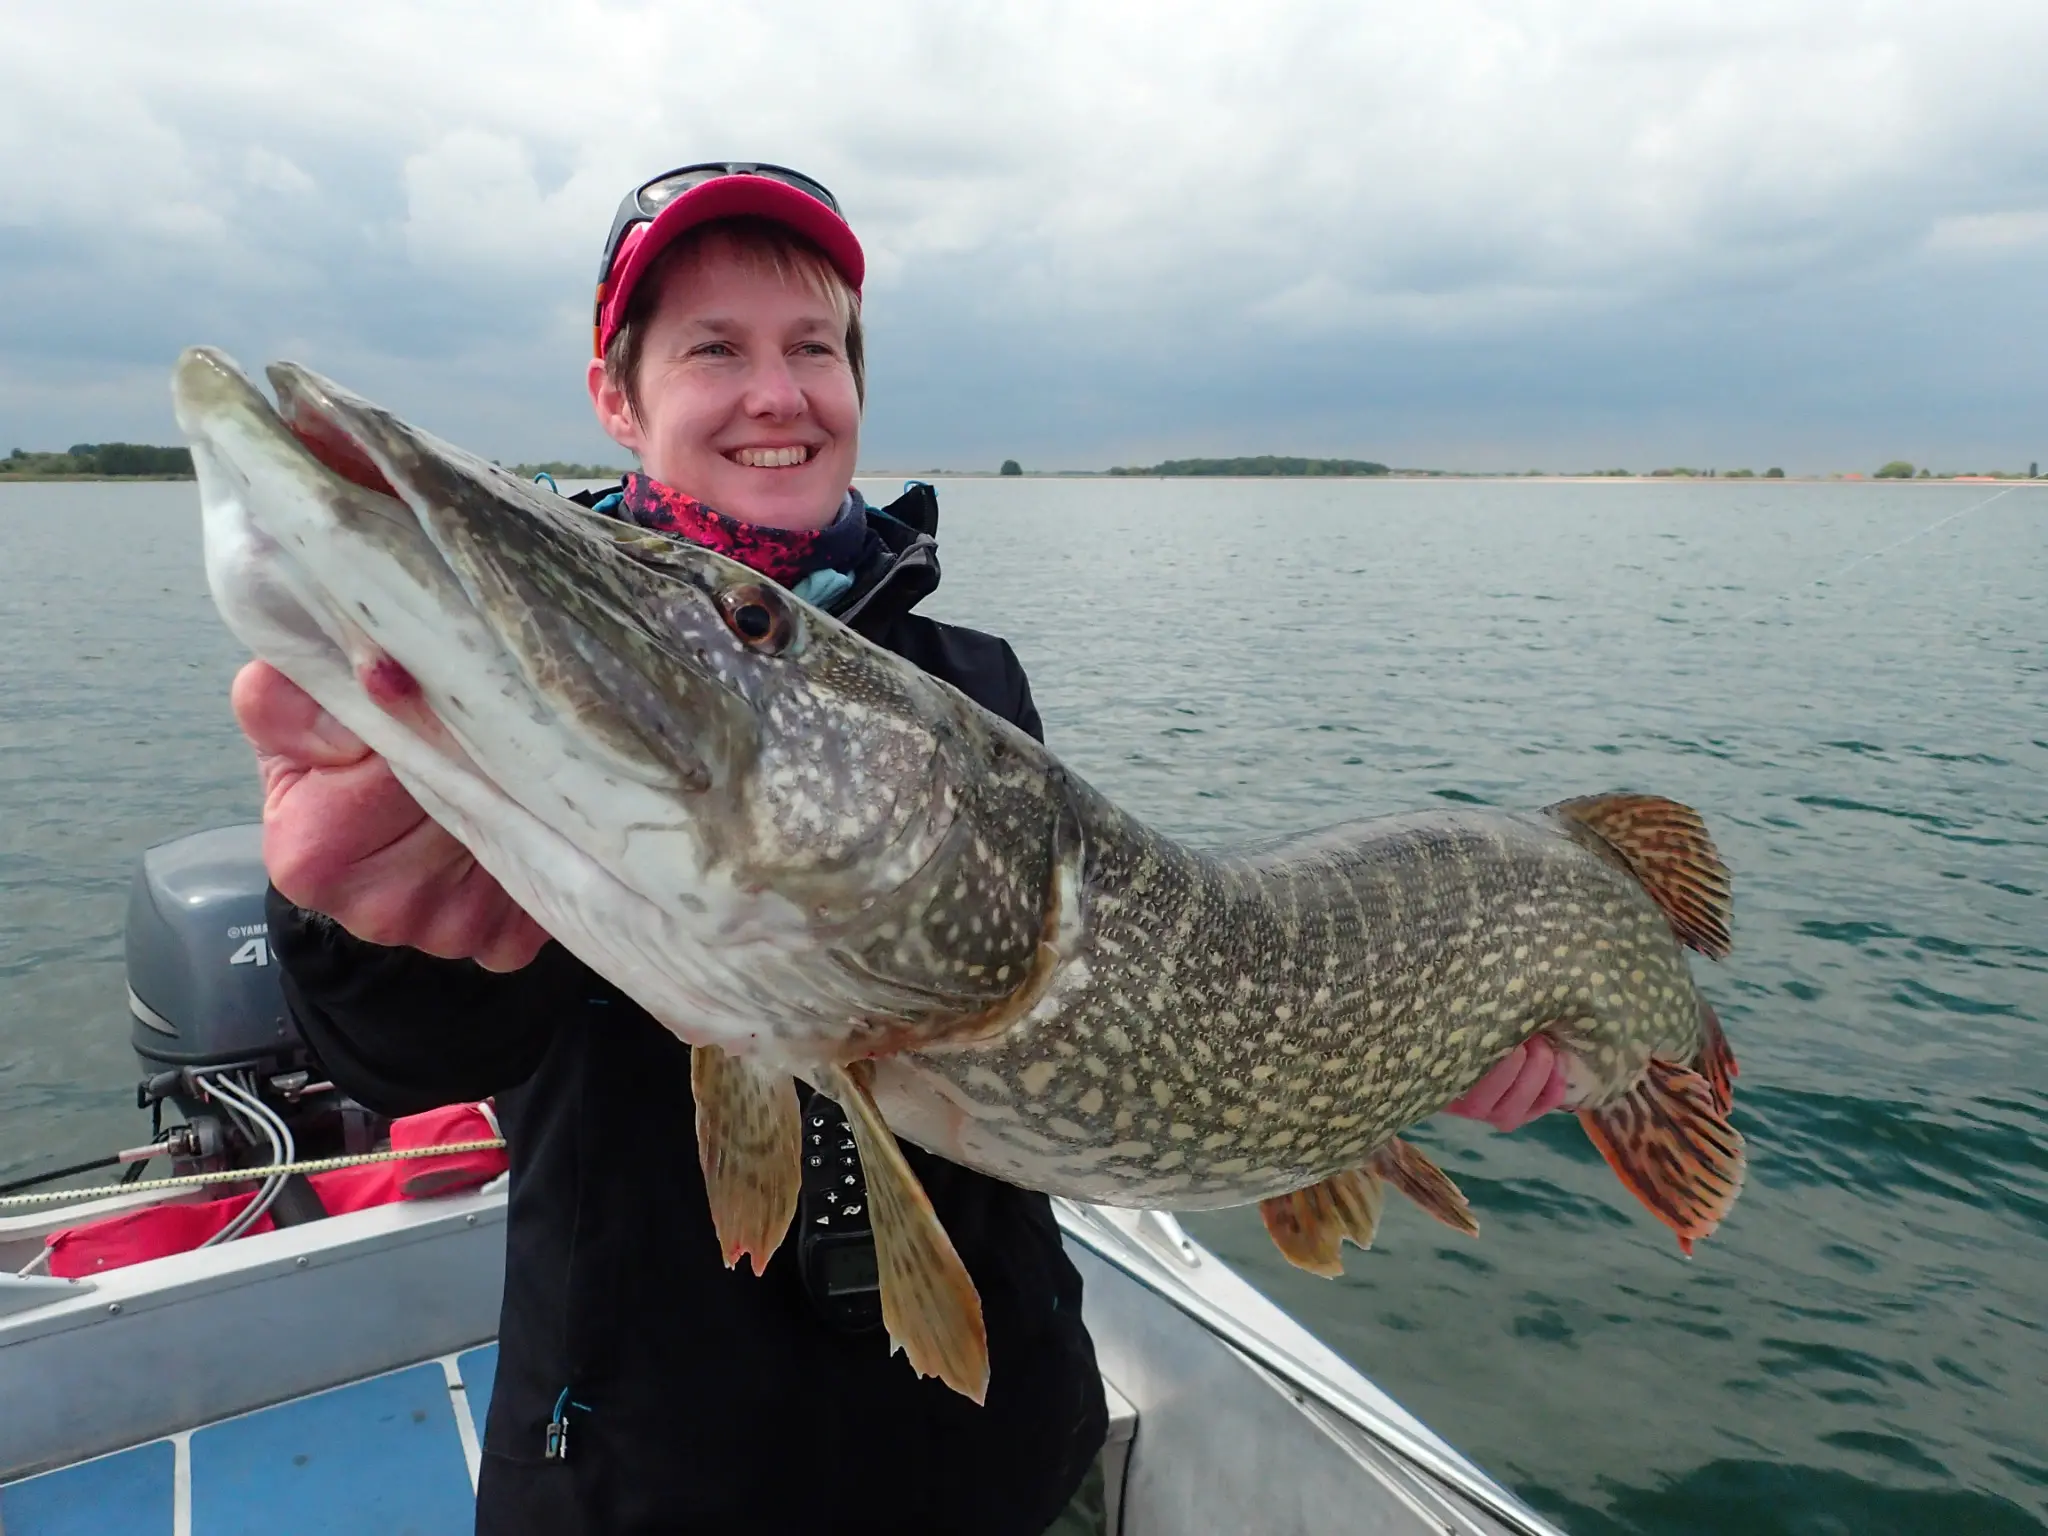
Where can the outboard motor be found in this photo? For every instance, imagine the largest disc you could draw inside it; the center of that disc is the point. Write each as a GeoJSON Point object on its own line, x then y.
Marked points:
{"type": "Point", "coordinates": [202, 990]}
{"type": "Point", "coordinates": [209, 1018]}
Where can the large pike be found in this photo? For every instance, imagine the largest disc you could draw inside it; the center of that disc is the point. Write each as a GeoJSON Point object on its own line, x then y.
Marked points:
{"type": "Point", "coordinates": [810, 859]}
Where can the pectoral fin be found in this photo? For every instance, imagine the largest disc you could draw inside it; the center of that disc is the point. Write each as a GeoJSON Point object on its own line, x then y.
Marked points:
{"type": "Point", "coordinates": [1310, 1225]}
{"type": "Point", "coordinates": [1670, 1142]}
{"type": "Point", "coordinates": [749, 1143]}
{"type": "Point", "coordinates": [929, 1304]}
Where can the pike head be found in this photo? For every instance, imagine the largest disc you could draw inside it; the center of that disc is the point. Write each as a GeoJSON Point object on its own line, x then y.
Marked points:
{"type": "Point", "coordinates": [780, 839]}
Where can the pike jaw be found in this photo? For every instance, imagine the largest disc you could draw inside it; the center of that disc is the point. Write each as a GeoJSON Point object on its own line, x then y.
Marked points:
{"type": "Point", "coordinates": [717, 797]}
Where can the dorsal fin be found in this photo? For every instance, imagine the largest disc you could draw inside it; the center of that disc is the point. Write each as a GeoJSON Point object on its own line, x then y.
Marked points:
{"type": "Point", "coordinates": [1666, 846]}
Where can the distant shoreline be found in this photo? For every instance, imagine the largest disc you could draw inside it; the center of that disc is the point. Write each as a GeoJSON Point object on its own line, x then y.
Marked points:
{"type": "Point", "coordinates": [1409, 477]}
{"type": "Point", "coordinates": [1455, 476]}
{"type": "Point", "coordinates": [7, 479]}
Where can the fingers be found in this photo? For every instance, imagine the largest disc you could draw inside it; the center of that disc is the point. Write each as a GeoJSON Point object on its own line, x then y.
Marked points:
{"type": "Point", "coordinates": [1517, 1107]}
{"type": "Point", "coordinates": [342, 836]}
{"type": "Point", "coordinates": [325, 828]}
{"type": "Point", "coordinates": [425, 891]}
{"type": "Point", "coordinates": [1478, 1102]}
{"type": "Point", "coordinates": [282, 720]}
{"type": "Point", "coordinates": [1526, 1084]}
{"type": "Point", "coordinates": [403, 889]}
{"type": "Point", "coordinates": [1554, 1091]}
{"type": "Point", "coordinates": [518, 941]}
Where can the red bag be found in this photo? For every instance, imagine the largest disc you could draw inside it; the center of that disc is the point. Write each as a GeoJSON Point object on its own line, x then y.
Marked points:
{"type": "Point", "coordinates": [134, 1236]}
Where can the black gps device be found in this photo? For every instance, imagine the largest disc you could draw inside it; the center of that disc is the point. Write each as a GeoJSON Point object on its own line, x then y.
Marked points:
{"type": "Point", "coordinates": [835, 1241]}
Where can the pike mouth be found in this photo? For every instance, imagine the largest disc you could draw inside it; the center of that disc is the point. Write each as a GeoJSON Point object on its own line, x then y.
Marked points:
{"type": "Point", "coordinates": [321, 567]}
{"type": "Point", "coordinates": [326, 440]}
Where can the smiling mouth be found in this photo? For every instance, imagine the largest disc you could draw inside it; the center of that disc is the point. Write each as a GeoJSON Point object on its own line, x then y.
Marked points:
{"type": "Point", "coordinates": [770, 458]}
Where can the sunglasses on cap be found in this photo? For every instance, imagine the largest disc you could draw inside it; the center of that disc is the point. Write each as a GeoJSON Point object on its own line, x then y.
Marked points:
{"type": "Point", "coordinates": [640, 205]}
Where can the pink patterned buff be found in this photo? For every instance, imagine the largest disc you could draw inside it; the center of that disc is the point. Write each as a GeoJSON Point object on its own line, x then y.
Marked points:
{"type": "Point", "coordinates": [784, 555]}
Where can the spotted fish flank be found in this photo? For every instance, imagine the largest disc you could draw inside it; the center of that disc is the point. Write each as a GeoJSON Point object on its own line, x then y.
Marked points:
{"type": "Point", "coordinates": [1255, 1024]}
{"type": "Point", "coordinates": [807, 858]}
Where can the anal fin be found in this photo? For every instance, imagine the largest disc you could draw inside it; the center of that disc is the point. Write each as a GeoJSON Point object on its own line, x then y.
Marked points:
{"type": "Point", "coordinates": [1670, 1142]}
{"type": "Point", "coordinates": [929, 1303]}
{"type": "Point", "coordinates": [1424, 1183]}
{"type": "Point", "coordinates": [1310, 1225]}
{"type": "Point", "coordinates": [749, 1145]}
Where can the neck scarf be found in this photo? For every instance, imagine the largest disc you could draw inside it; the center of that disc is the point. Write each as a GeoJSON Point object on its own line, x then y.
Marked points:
{"type": "Point", "coordinates": [785, 555]}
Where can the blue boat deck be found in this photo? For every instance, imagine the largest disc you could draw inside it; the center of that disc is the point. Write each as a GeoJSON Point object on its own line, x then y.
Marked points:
{"type": "Point", "coordinates": [397, 1452]}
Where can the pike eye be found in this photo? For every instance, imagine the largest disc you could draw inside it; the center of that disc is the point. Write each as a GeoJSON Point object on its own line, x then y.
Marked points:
{"type": "Point", "coordinates": [757, 617]}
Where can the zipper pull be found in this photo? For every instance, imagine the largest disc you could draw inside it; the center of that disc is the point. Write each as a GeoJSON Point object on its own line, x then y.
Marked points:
{"type": "Point", "coordinates": [557, 1448]}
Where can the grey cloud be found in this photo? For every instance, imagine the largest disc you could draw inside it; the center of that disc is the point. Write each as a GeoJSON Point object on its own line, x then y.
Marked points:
{"type": "Point", "coordinates": [1448, 233]}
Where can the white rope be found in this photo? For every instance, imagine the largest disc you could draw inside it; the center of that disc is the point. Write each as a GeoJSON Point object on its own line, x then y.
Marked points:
{"type": "Point", "coordinates": [250, 1175]}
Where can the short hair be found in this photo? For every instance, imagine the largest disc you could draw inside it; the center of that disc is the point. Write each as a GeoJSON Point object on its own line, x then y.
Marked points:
{"type": "Point", "coordinates": [762, 245]}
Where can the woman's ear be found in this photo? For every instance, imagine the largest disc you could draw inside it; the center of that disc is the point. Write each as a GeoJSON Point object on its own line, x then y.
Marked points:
{"type": "Point", "coordinates": [614, 410]}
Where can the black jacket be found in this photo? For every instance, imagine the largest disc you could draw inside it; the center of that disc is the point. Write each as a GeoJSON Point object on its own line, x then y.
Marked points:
{"type": "Point", "coordinates": [708, 1400]}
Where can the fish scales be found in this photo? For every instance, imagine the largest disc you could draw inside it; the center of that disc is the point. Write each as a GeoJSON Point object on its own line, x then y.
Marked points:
{"type": "Point", "coordinates": [807, 857]}
{"type": "Point", "coordinates": [1235, 1028]}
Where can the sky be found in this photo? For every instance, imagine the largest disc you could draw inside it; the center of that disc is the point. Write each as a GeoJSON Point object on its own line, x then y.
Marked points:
{"type": "Point", "coordinates": [1550, 234]}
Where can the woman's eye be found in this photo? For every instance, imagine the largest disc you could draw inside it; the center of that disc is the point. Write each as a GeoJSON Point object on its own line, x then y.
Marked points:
{"type": "Point", "coordinates": [715, 349]}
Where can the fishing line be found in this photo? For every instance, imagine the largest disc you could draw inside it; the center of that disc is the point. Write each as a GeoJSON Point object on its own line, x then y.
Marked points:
{"type": "Point", "coordinates": [1939, 522]}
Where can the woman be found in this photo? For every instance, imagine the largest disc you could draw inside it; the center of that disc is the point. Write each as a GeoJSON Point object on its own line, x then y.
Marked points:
{"type": "Point", "coordinates": [640, 1384]}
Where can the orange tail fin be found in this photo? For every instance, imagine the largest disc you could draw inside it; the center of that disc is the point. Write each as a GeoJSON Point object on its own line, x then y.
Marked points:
{"type": "Point", "coordinates": [1716, 1062]}
{"type": "Point", "coordinates": [1670, 1142]}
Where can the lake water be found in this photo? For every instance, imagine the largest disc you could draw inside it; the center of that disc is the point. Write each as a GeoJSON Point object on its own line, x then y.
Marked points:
{"type": "Point", "coordinates": [1864, 1346]}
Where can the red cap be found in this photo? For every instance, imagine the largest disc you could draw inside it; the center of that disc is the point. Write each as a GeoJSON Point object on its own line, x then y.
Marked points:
{"type": "Point", "coordinates": [725, 197]}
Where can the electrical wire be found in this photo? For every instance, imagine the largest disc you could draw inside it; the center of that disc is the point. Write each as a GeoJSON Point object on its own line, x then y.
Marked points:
{"type": "Point", "coordinates": [213, 1091]}
{"type": "Point", "coordinates": [284, 1150]}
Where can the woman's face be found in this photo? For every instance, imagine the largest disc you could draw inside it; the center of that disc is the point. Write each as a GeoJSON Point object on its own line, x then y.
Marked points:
{"type": "Point", "coordinates": [747, 401]}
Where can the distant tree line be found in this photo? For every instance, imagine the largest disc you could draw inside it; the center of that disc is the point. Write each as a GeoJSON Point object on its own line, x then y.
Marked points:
{"type": "Point", "coordinates": [1264, 464]}
{"type": "Point", "coordinates": [562, 469]}
{"type": "Point", "coordinates": [117, 460]}
{"type": "Point", "coordinates": [1682, 473]}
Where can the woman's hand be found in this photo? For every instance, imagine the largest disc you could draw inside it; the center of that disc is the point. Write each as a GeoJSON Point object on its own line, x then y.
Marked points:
{"type": "Point", "coordinates": [1525, 1084]}
{"type": "Point", "coordinates": [342, 836]}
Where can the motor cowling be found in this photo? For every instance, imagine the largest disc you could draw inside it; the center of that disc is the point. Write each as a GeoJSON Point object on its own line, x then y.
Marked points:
{"type": "Point", "coordinates": [205, 997]}
{"type": "Point", "coordinates": [203, 987]}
